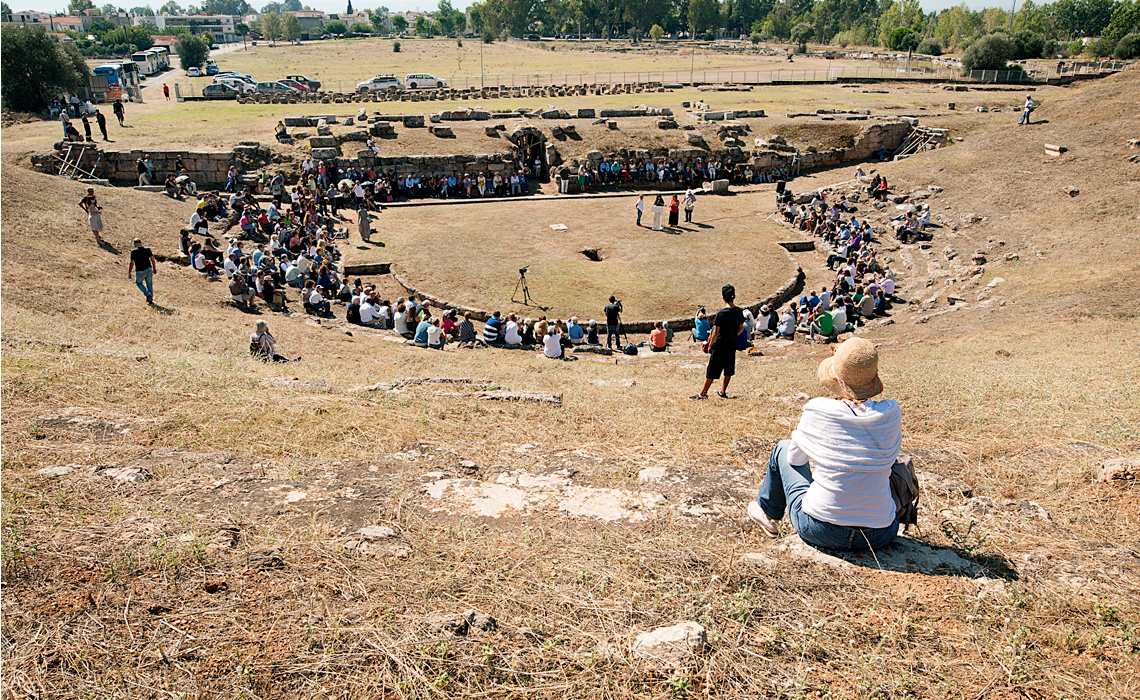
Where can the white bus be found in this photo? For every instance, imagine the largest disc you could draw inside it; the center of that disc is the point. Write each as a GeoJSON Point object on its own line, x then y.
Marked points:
{"type": "Point", "coordinates": [146, 61]}
{"type": "Point", "coordinates": [162, 57]}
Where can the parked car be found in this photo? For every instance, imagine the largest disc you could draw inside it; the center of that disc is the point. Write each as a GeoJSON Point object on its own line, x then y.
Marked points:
{"type": "Point", "coordinates": [275, 86]}
{"type": "Point", "coordinates": [214, 47]}
{"type": "Point", "coordinates": [194, 72]}
{"type": "Point", "coordinates": [211, 69]}
{"type": "Point", "coordinates": [314, 85]}
{"type": "Point", "coordinates": [240, 84]}
{"type": "Point", "coordinates": [235, 74]}
{"type": "Point", "coordinates": [424, 80]}
{"type": "Point", "coordinates": [301, 87]}
{"type": "Point", "coordinates": [220, 90]}
{"type": "Point", "coordinates": [380, 82]}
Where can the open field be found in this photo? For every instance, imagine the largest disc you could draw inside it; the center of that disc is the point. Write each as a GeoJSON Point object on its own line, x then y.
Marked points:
{"type": "Point", "coordinates": [470, 254]}
{"type": "Point", "coordinates": [160, 125]}
{"type": "Point", "coordinates": [354, 60]}
{"type": "Point", "coordinates": [234, 566]}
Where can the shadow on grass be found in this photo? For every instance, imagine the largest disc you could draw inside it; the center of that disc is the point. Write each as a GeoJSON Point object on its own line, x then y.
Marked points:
{"type": "Point", "coordinates": [164, 310]}
{"type": "Point", "coordinates": [906, 555]}
{"type": "Point", "coordinates": [110, 248]}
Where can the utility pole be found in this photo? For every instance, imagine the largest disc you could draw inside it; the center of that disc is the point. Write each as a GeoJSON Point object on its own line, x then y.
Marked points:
{"type": "Point", "coordinates": [693, 63]}
{"type": "Point", "coordinates": [481, 42]}
{"type": "Point", "coordinates": [1012, 8]}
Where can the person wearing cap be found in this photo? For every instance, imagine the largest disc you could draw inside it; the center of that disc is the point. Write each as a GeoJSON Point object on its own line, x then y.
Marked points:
{"type": "Point", "coordinates": [727, 327]}
{"type": "Point", "coordinates": [592, 333]}
{"type": "Point", "coordinates": [574, 332]}
{"type": "Point", "coordinates": [843, 499]}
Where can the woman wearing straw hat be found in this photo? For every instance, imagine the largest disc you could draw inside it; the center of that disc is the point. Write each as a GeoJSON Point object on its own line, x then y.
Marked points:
{"type": "Point", "coordinates": [843, 501]}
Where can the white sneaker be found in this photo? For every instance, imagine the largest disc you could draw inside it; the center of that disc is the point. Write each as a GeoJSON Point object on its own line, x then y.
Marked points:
{"type": "Point", "coordinates": [758, 516]}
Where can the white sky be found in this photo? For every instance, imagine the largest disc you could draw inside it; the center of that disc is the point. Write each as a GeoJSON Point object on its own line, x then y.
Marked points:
{"type": "Point", "coordinates": [394, 5]}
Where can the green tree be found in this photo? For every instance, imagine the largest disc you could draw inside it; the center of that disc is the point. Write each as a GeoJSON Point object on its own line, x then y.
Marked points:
{"type": "Point", "coordinates": [291, 27]}
{"type": "Point", "coordinates": [100, 27]}
{"type": "Point", "coordinates": [138, 36]}
{"type": "Point", "coordinates": [272, 27]}
{"type": "Point", "coordinates": [349, 10]}
{"type": "Point", "coordinates": [703, 15]}
{"type": "Point", "coordinates": [929, 47]}
{"type": "Point", "coordinates": [400, 24]}
{"type": "Point", "coordinates": [379, 22]}
{"type": "Point", "coordinates": [76, 7]}
{"type": "Point", "coordinates": [5, 12]}
{"type": "Point", "coordinates": [170, 8]}
{"type": "Point", "coordinates": [192, 50]}
{"type": "Point", "coordinates": [107, 9]}
{"type": "Point", "coordinates": [988, 53]}
{"type": "Point", "coordinates": [336, 27]}
{"type": "Point", "coordinates": [227, 7]}
{"type": "Point", "coordinates": [208, 38]}
{"type": "Point", "coordinates": [34, 68]}
{"type": "Point", "coordinates": [143, 11]}
{"type": "Point", "coordinates": [1125, 20]}
{"type": "Point", "coordinates": [241, 29]}
{"type": "Point", "coordinates": [359, 28]}
{"type": "Point", "coordinates": [754, 37]}
{"type": "Point", "coordinates": [802, 33]}
{"type": "Point", "coordinates": [656, 33]}
{"type": "Point", "coordinates": [1128, 47]}
{"type": "Point", "coordinates": [902, 39]}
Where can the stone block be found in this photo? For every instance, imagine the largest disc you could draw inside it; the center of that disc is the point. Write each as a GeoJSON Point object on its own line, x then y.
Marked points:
{"type": "Point", "coordinates": [586, 113]}
{"type": "Point", "coordinates": [324, 153]}
{"type": "Point", "coordinates": [353, 136]}
{"type": "Point", "coordinates": [297, 120]}
{"type": "Point", "coordinates": [715, 186]}
{"type": "Point", "coordinates": [322, 142]}
{"type": "Point", "coordinates": [414, 121]}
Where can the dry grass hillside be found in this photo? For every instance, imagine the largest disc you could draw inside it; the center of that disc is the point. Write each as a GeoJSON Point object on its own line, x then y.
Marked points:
{"type": "Point", "coordinates": [182, 521]}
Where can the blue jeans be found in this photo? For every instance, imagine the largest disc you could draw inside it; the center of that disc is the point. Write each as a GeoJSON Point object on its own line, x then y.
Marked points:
{"type": "Point", "coordinates": [784, 488]}
{"type": "Point", "coordinates": [639, 212]}
{"type": "Point", "coordinates": [144, 279]}
{"type": "Point", "coordinates": [1024, 116]}
{"type": "Point", "coordinates": [611, 333]}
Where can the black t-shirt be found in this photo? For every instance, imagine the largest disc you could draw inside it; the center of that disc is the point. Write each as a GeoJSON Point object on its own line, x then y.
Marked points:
{"type": "Point", "coordinates": [141, 257]}
{"type": "Point", "coordinates": [612, 311]}
{"type": "Point", "coordinates": [728, 320]}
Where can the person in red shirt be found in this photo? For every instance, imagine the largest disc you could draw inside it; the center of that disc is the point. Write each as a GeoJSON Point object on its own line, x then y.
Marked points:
{"type": "Point", "coordinates": [674, 210]}
{"type": "Point", "coordinates": [166, 91]}
{"type": "Point", "coordinates": [658, 337]}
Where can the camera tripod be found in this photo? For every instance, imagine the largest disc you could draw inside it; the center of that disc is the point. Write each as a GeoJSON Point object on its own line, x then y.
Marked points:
{"type": "Point", "coordinates": [521, 284]}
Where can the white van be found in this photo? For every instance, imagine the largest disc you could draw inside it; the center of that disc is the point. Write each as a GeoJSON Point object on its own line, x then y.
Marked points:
{"type": "Point", "coordinates": [423, 80]}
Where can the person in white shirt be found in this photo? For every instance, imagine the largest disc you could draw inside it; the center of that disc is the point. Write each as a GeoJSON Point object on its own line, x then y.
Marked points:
{"type": "Point", "coordinates": [825, 299]}
{"type": "Point", "coordinates": [787, 327]}
{"type": "Point", "coordinates": [512, 337]}
{"type": "Point", "coordinates": [369, 315]}
{"type": "Point", "coordinates": [552, 343]}
{"type": "Point", "coordinates": [303, 264]}
{"type": "Point", "coordinates": [843, 501]}
{"type": "Point", "coordinates": [435, 335]}
{"type": "Point", "coordinates": [400, 321]}
{"type": "Point", "coordinates": [230, 266]}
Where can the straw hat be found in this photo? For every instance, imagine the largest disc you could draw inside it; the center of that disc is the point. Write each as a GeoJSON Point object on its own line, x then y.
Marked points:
{"type": "Point", "coordinates": [853, 371]}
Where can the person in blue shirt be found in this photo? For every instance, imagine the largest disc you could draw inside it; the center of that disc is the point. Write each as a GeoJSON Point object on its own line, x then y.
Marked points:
{"type": "Point", "coordinates": [575, 332]}
{"type": "Point", "coordinates": [701, 326]}
{"type": "Point", "coordinates": [813, 301]}
{"type": "Point", "coordinates": [493, 330]}
{"type": "Point", "coordinates": [421, 336]}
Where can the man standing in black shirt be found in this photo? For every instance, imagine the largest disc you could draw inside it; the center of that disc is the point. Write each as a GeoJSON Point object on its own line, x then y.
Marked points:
{"type": "Point", "coordinates": [613, 321]}
{"type": "Point", "coordinates": [102, 121]}
{"type": "Point", "coordinates": [141, 270]}
{"type": "Point", "coordinates": [727, 328]}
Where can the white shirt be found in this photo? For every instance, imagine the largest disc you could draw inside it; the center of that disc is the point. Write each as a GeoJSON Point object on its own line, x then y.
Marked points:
{"type": "Point", "coordinates": [552, 345]}
{"type": "Point", "coordinates": [230, 268]}
{"type": "Point", "coordinates": [825, 300]}
{"type": "Point", "coordinates": [852, 448]}
{"type": "Point", "coordinates": [512, 334]}
{"type": "Point", "coordinates": [315, 297]}
{"type": "Point", "coordinates": [303, 264]}
{"type": "Point", "coordinates": [434, 334]}
{"type": "Point", "coordinates": [400, 322]}
{"type": "Point", "coordinates": [367, 312]}
{"type": "Point", "coordinates": [839, 318]}
{"type": "Point", "coordinates": [787, 324]}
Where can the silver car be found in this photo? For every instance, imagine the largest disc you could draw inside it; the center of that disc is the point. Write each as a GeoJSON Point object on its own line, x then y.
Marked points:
{"type": "Point", "coordinates": [423, 80]}
{"type": "Point", "coordinates": [380, 82]}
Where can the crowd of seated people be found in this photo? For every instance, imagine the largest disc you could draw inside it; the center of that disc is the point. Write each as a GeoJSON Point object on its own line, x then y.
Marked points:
{"type": "Point", "coordinates": [616, 172]}
{"type": "Point", "coordinates": [863, 288]}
